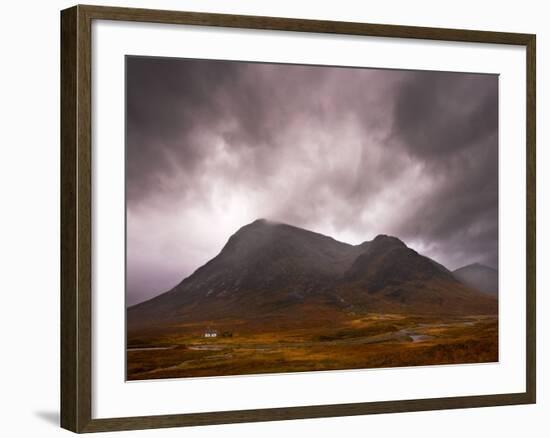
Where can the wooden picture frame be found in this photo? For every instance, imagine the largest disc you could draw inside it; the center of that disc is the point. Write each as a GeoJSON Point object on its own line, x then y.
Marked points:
{"type": "Point", "coordinates": [76, 218]}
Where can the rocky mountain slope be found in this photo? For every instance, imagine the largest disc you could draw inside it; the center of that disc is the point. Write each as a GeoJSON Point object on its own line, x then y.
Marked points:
{"type": "Point", "coordinates": [280, 272]}
{"type": "Point", "coordinates": [480, 277]}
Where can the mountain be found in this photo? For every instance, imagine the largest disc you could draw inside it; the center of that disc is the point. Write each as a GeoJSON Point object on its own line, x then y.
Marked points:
{"type": "Point", "coordinates": [279, 272]}
{"type": "Point", "coordinates": [480, 277]}
{"type": "Point", "coordinates": [387, 261]}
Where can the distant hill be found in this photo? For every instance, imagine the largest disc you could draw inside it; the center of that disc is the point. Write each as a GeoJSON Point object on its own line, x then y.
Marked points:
{"type": "Point", "coordinates": [285, 273]}
{"type": "Point", "coordinates": [480, 277]}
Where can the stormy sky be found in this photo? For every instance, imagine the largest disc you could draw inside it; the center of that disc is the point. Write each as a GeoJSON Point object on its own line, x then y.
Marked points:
{"type": "Point", "coordinates": [347, 152]}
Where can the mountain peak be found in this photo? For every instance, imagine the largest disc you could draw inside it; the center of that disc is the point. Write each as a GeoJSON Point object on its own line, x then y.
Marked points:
{"type": "Point", "coordinates": [266, 240]}
{"type": "Point", "coordinates": [261, 224]}
{"type": "Point", "coordinates": [387, 238]}
{"type": "Point", "coordinates": [387, 261]}
{"type": "Point", "coordinates": [478, 276]}
{"type": "Point", "coordinates": [383, 242]}
{"type": "Point", "coordinates": [475, 265]}
{"type": "Point", "coordinates": [263, 221]}
{"type": "Point", "coordinates": [258, 225]}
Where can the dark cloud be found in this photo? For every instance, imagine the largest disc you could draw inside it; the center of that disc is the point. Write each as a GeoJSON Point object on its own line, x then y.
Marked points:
{"type": "Point", "coordinates": [439, 114]}
{"type": "Point", "coordinates": [212, 145]}
{"type": "Point", "coordinates": [449, 122]}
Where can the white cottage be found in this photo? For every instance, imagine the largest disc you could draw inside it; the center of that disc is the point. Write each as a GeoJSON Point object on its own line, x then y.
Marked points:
{"type": "Point", "coordinates": [210, 333]}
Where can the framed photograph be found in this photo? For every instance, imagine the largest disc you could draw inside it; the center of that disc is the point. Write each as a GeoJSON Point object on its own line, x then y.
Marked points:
{"type": "Point", "coordinates": [271, 218]}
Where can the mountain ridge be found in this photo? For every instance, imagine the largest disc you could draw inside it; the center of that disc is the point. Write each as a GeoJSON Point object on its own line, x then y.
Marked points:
{"type": "Point", "coordinates": [479, 276]}
{"type": "Point", "coordinates": [270, 269]}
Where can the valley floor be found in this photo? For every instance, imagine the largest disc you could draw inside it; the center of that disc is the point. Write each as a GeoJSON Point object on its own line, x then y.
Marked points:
{"type": "Point", "coordinates": [368, 341]}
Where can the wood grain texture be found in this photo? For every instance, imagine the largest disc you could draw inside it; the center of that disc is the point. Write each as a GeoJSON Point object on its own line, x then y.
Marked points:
{"type": "Point", "coordinates": [338, 410]}
{"type": "Point", "coordinates": [76, 219]}
{"type": "Point", "coordinates": [531, 249]}
{"type": "Point", "coordinates": [301, 25]}
{"type": "Point", "coordinates": [76, 186]}
{"type": "Point", "coordinates": [69, 328]}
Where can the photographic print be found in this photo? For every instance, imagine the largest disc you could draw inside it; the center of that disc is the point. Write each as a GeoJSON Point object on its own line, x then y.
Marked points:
{"type": "Point", "coordinates": [288, 218]}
